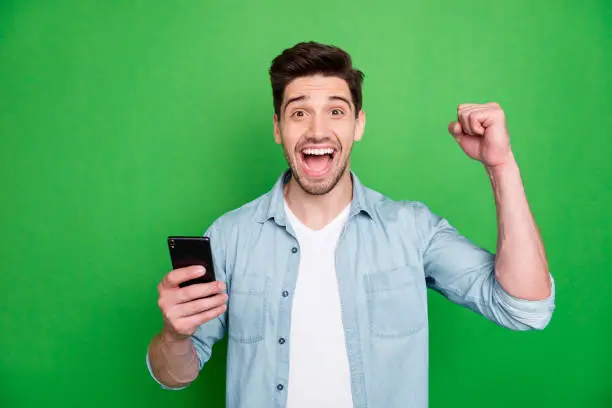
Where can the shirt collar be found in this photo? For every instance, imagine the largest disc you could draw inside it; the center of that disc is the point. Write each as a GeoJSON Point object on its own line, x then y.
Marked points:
{"type": "Point", "coordinates": [273, 205]}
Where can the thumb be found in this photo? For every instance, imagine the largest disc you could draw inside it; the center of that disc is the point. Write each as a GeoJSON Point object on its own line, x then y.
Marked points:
{"type": "Point", "coordinates": [456, 130]}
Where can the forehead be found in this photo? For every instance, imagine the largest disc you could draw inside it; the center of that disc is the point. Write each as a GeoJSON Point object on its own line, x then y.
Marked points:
{"type": "Point", "coordinates": [317, 85]}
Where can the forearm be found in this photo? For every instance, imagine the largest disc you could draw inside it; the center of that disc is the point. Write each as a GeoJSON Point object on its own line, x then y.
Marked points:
{"type": "Point", "coordinates": [174, 363]}
{"type": "Point", "coordinates": [521, 267]}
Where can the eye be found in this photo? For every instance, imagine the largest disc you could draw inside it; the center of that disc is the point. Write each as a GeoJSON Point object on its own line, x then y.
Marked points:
{"type": "Point", "coordinates": [337, 112]}
{"type": "Point", "coordinates": [298, 114]}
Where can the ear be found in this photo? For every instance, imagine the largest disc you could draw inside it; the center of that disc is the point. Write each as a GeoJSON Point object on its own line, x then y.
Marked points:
{"type": "Point", "coordinates": [277, 135]}
{"type": "Point", "coordinates": [360, 125]}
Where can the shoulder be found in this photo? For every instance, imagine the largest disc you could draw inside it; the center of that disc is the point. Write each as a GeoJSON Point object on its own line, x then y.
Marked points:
{"type": "Point", "coordinates": [413, 214]}
{"type": "Point", "coordinates": [225, 230]}
{"type": "Point", "coordinates": [386, 207]}
{"type": "Point", "coordinates": [242, 216]}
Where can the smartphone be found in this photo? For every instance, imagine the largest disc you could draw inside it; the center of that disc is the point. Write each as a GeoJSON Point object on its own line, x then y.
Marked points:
{"type": "Point", "coordinates": [188, 251]}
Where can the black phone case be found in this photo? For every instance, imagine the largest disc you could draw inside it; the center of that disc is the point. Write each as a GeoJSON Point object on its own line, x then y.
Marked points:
{"type": "Point", "coordinates": [188, 251]}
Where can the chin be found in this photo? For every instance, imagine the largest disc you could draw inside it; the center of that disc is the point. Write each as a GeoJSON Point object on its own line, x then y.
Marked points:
{"type": "Point", "coordinates": [318, 185]}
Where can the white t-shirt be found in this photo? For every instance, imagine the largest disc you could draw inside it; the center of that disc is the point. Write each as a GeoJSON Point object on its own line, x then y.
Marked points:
{"type": "Point", "coordinates": [319, 373]}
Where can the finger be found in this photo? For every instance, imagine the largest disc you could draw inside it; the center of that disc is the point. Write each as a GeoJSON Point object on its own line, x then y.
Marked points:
{"type": "Point", "coordinates": [197, 291]}
{"type": "Point", "coordinates": [476, 118]}
{"type": "Point", "coordinates": [178, 276]}
{"type": "Point", "coordinates": [456, 130]}
{"type": "Point", "coordinates": [201, 318]}
{"type": "Point", "coordinates": [464, 115]}
{"type": "Point", "coordinates": [464, 106]}
{"type": "Point", "coordinates": [463, 118]}
{"type": "Point", "coordinates": [199, 305]}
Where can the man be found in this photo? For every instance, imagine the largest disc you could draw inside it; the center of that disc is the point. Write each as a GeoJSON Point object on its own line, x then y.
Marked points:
{"type": "Point", "coordinates": [327, 279]}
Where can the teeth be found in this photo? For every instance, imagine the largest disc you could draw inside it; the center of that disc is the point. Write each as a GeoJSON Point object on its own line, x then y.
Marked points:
{"type": "Point", "coordinates": [318, 152]}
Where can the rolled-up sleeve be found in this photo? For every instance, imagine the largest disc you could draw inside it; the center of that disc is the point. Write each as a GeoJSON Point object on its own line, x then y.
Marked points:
{"type": "Point", "coordinates": [465, 274]}
{"type": "Point", "coordinates": [207, 334]}
{"type": "Point", "coordinates": [524, 314]}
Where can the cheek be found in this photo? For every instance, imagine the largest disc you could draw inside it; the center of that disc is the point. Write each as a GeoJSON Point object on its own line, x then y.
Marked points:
{"type": "Point", "coordinates": [345, 132]}
{"type": "Point", "coordinates": [291, 134]}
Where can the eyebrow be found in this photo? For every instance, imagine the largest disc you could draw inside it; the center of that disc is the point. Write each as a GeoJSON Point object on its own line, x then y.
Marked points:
{"type": "Point", "coordinates": [304, 97]}
{"type": "Point", "coordinates": [294, 99]}
{"type": "Point", "coordinates": [341, 98]}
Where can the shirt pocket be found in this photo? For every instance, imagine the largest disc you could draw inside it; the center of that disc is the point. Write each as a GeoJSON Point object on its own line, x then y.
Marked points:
{"type": "Point", "coordinates": [395, 306]}
{"type": "Point", "coordinates": [246, 309]}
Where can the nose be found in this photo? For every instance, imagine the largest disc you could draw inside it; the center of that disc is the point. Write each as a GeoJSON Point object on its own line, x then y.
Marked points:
{"type": "Point", "coordinates": [318, 126]}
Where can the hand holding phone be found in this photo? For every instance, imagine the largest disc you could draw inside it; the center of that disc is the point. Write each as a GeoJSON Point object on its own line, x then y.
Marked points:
{"type": "Point", "coordinates": [189, 295]}
{"type": "Point", "coordinates": [185, 308]}
{"type": "Point", "coordinates": [189, 251]}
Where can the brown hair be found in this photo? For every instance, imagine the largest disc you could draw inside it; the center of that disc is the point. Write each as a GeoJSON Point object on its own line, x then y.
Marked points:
{"type": "Point", "coordinates": [311, 58]}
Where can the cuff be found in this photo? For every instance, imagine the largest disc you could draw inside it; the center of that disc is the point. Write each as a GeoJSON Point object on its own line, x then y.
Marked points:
{"type": "Point", "coordinates": [534, 313]}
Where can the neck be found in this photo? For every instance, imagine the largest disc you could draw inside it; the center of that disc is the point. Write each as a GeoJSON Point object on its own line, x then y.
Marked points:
{"type": "Point", "coordinates": [316, 211]}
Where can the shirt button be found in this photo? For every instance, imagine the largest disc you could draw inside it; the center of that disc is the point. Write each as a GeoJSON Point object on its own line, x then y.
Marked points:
{"type": "Point", "coordinates": [285, 293]}
{"type": "Point", "coordinates": [281, 341]}
{"type": "Point", "coordinates": [294, 250]}
{"type": "Point", "coordinates": [280, 387]}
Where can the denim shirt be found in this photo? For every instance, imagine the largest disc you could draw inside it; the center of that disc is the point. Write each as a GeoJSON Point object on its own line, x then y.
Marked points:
{"type": "Point", "coordinates": [387, 256]}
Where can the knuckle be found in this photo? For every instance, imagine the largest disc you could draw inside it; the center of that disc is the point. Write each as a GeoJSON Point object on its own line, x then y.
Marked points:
{"type": "Point", "coordinates": [183, 327]}
{"type": "Point", "coordinates": [204, 305]}
{"type": "Point", "coordinates": [166, 281]}
{"type": "Point", "coordinates": [179, 327]}
{"type": "Point", "coordinates": [207, 287]}
{"type": "Point", "coordinates": [190, 292]}
{"type": "Point", "coordinates": [208, 316]}
{"type": "Point", "coordinates": [213, 288]}
{"type": "Point", "coordinates": [193, 307]}
{"type": "Point", "coordinates": [181, 295]}
{"type": "Point", "coordinates": [213, 302]}
{"type": "Point", "coordinates": [166, 301]}
{"type": "Point", "coordinates": [168, 310]}
{"type": "Point", "coordinates": [219, 311]}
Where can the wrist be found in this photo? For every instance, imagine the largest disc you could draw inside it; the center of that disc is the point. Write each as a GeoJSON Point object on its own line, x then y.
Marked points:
{"type": "Point", "coordinates": [498, 170]}
{"type": "Point", "coordinates": [177, 344]}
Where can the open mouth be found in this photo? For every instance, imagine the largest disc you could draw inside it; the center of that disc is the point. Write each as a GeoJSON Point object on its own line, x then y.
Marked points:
{"type": "Point", "coordinates": [318, 161]}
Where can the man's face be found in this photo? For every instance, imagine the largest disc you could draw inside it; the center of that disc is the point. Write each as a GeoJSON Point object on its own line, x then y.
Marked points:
{"type": "Point", "coordinates": [317, 127]}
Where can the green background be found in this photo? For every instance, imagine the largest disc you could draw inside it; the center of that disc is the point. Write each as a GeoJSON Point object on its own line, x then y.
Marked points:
{"type": "Point", "coordinates": [124, 122]}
